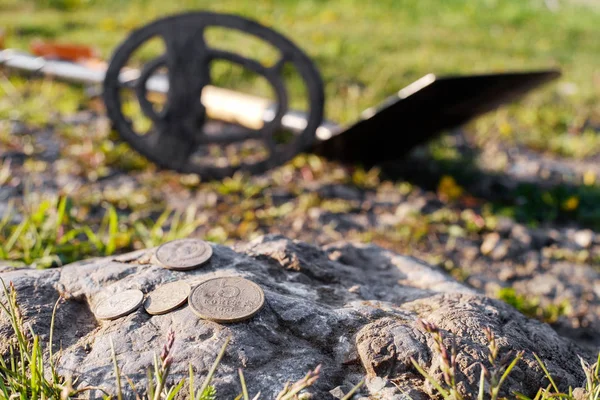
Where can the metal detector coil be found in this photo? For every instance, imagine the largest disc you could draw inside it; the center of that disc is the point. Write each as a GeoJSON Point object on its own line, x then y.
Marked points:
{"type": "Point", "coordinates": [178, 129]}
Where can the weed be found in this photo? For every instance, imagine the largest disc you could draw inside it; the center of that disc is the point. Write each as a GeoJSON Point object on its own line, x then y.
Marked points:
{"type": "Point", "coordinates": [591, 391]}
{"type": "Point", "coordinates": [25, 371]}
{"type": "Point", "coordinates": [447, 389]}
{"type": "Point", "coordinates": [493, 377]}
{"type": "Point", "coordinates": [290, 392]}
{"type": "Point", "coordinates": [44, 237]}
{"type": "Point", "coordinates": [499, 368]}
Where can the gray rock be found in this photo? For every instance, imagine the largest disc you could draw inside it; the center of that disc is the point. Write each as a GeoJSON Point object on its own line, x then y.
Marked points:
{"type": "Point", "coordinates": [355, 309]}
{"type": "Point", "coordinates": [338, 392]}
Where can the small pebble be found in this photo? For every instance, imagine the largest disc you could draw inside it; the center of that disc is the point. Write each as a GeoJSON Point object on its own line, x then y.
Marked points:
{"type": "Point", "coordinates": [489, 243]}
{"type": "Point", "coordinates": [583, 238]}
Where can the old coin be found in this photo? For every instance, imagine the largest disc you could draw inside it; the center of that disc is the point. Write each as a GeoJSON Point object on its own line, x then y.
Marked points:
{"type": "Point", "coordinates": [183, 254]}
{"type": "Point", "coordinates": [167, 297]}
{"type": "Point", "coordinates": [119, 304]}
{"type": "Point", "coordinates": [226, 299]}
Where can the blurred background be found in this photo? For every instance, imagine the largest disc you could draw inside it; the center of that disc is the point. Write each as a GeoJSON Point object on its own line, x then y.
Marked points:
{"type": "Point", "coordinates": [505, 203]}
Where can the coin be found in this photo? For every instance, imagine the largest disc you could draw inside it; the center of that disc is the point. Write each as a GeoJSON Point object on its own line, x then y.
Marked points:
{"type": "Point", "coordinates": [226, 299]}
{"type": "Point", "coordinates": [167, 297]}
{"type": "Point", "coordinates": [183, 254]}
{"type": "Point", "coordinates": [119, 304]}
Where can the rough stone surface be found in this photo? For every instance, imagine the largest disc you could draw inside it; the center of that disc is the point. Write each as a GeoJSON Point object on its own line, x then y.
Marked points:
{"type": "Point", "coordinates": [352, 308]}
{"type": "Point", "coordinates": [320, 201]}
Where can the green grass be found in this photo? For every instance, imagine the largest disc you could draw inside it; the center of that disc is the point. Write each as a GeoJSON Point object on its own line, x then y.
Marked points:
{"type": "Point", "coordinates": [51, 233]}
{"type": "Point", "coordinates": [531, 306]}
{"type": "Point", "coordinates": [26, 369]}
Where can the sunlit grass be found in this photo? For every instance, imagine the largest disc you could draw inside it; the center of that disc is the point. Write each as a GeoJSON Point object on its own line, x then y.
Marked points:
{"type": "Point", "coordinates": [48, 232]}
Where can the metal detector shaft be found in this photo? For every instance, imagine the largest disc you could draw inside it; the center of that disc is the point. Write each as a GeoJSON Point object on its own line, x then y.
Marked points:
{"type": "Point", "coordinates": [224, 104]}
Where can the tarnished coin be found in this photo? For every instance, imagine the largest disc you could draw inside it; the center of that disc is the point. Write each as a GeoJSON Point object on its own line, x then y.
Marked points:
{"type": "Point", "coordinates": [119, 304]}
{"type": "Point", "coordinates": [167, 297]}
{"type": "Point", "coordinates": [183, 254]}
{"type": "Point", "coordinates": [226, 299]}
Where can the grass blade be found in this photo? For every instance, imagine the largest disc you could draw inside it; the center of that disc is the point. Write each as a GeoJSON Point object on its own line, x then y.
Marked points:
{"type": "Point", "coordinates": [174, 390]}
{"type": "Point", "coordinates": [33, 366]}
{"type": "Point", "coordinates": [214, 367]}
{"type": "Point", "coordinates": [510, 367]}
{"type": "Point", "coordinates": [243, 383]}
{"type": "Point", "coordinates": [15, 235]}
{"type": "Point", "coordinates": [541, 363]}
{"type": "Point", "coordinates": [481, 384]}
{"type": "Point", "coordinates": [150, 383]}
{"type": "Point", "coordinates": [192, 392]}
{"type": "Point", "coordinates": [113, 229]}
{"type": "Point", "coordinates": [60, 215]}
{"type": "Point", "coordinates": [52, 321]}
{"type": "Point", "coordinates": [117, 370]}
{"type": "Point", "coordinates": [349, 395]}
{"type": "Point", "coordinates": [92, 237]}
{"type": "Point", "coordinates": [433, 382]}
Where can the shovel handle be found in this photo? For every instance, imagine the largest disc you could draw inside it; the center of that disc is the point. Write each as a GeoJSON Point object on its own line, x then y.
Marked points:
{"type": "Point", "coordinates": [229, 106]}
{"type": "Point", "coordinates": [234, 107]}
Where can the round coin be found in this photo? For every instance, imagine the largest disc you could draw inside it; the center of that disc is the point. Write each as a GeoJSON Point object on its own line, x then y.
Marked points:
{"type": "Point", "coordinates": [226, 299]}
{"type": "Point", "coordinates": [119, 304]}
{"type": "Point", "coordinates": [167, 297]}
{"type": "Point", "coordinates": [183, 254]}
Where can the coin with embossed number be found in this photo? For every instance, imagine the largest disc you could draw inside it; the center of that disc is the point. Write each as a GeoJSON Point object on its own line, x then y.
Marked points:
{"type": "Point", "coordinates": [167, 297]}
{"type": "Point", "coordinates": [119, 304]}
{"type": "Point", "coordinates": [183, 254]}
{"type": "Point", "coordinates": [226, 299]}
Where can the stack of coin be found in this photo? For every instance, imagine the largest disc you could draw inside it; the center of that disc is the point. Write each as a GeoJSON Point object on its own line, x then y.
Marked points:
{"type": "Point", "coordinates": [224, 299]}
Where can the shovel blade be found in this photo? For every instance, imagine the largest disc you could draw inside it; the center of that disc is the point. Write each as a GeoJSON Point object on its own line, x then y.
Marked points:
{"type": "Point", "coordinates": [424, 109]}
